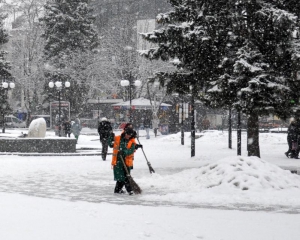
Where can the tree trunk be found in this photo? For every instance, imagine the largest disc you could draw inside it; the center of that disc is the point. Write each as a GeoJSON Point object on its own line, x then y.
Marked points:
{"type": "Point", "coordinates": [253, 135]}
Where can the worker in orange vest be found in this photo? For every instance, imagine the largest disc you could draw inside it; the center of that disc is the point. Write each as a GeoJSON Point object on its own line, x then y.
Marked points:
{"type": "Point", "coordinates": [124, 146]}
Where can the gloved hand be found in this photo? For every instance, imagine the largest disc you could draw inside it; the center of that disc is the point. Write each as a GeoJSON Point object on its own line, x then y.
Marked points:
{"type": "Point", "coordinates": [121, 152]}
{"type": "Point", "coordinates": [137, 146]}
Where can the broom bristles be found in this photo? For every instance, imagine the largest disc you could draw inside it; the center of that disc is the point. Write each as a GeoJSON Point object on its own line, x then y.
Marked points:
{"type": "Point", "coordinates": [151, 170]}
{"type": "Point", "coordinates": [135, 187]}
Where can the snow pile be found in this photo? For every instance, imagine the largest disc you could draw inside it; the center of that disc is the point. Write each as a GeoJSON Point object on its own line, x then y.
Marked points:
{"type": "Point", "coordinates": [246, 173]}
{"type": "Point", "coordinates": [240, 173]}
{"type": "Point", "coordinates": [229, 182]}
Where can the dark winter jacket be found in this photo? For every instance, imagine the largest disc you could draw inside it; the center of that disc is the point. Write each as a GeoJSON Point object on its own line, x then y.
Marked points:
{"type": "Point", "coordinates": [67, 127]}
{"type": "Point", "coordinates": [104, 129]}
{"type": "Point", "coordinates": [293, 132]}
{"type": "Point", "coordinates": [147, 123]}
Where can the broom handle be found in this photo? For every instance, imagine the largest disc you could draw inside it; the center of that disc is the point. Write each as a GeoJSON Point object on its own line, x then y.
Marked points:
{"type": "Point", "coordinates": [125, 167]}
{"type": "Point", "coordinates": [148, 163]}
{"type": "Point", "coordinates": [143, 151]}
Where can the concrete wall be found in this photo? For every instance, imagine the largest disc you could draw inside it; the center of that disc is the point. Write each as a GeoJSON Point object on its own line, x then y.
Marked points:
{"type": "Point", "coordinates": [38, 145]}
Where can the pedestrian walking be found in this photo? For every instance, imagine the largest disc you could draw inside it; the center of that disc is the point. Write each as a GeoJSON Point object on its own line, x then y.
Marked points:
{"type": "Point", "coordinates": [155, 123]}
{"type": "Point", "coordinates": [147, 124]}
{"type": "Point", "coordinates": [292, 139]}
{"type": "Point", "coordinates": [76, 129]}
{"type": "Point", "coordinates": [67, 128]}
{"type": "Point", "coordinates": [105, 130]}
{"type": "Point", "coordinates": [124, 148]}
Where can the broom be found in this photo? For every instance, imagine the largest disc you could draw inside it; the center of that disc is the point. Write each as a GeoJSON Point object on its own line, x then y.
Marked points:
{"type": "Point", "coordinates": [136, 189]}
{"type": "Point", "coordinates": [151, 170]}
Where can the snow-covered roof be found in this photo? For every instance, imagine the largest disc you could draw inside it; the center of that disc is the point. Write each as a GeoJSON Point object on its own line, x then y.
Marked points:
{"type": "Point", "coordinates": [140, 103]}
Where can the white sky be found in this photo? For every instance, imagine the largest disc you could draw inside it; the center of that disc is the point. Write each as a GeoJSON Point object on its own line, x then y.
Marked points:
{"type": "Point", "coordinates": [71, 197]}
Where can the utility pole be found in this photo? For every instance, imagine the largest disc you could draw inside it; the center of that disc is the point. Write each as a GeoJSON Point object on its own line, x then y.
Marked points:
{"type": "Point", "coordinates": [192, 123]}
{"type": "Point", "coordinates": [229, 129]}
{"type": "Point", "coordinates": [239, 134]}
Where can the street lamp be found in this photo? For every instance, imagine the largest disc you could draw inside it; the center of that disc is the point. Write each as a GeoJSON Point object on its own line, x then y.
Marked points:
{"type": "Point", "coordinates": [5, 86]}
{"type": "Point", "coordinates": [59, 86]}
{"type": "Point", "coordinates": [130, 83]}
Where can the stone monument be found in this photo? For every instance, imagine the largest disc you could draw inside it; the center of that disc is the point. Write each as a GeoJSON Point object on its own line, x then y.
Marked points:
{"type": "Point", "coordinates": [37, 128]}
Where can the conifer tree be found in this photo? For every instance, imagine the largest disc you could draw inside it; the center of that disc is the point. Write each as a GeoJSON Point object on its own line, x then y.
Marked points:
{"type": "Point", "coordinates": [68, 29]}
{"type": "Point", "coordinates": [70, 40]}
{"type": "Point", "coordinates": [241, 54]}
{"type": "Point", "coordinates": [262, 60]}
{"type": "Point", "coordinates": [191, 42]}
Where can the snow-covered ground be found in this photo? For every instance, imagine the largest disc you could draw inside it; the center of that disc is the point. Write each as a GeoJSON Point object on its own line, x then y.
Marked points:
{"type": "Point", "coordinates": [214, 195]}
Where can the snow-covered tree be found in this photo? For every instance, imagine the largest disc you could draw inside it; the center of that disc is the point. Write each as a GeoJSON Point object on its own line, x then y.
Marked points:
{"type": "Point", "coordinates": [258, 65]}
{"type": "Point", "coordinates": [70, 39]}
{"type": "Point", "coordinates": [25, 53]}
{"type": "Point", "coordinates": [68, 29]}
{"type": "Point", "coordinates": [241, 54]}
{"type": "Point", "coordinates": [4, 70]}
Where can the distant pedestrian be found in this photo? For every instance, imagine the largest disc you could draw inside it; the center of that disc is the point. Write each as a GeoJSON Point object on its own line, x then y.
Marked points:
{"type": "Point", "coordinates": [67, 128]}
{"type": "Point", "coordinates": [147, 124]}
{"type": "Point", "coordinates": [76, 129]}
{"type": "Point", "coordinates": [292, 139]}
{"type": "Point", "coordinates": [105, 130]}
{"type": "Point", "coordinates": [155, 123]}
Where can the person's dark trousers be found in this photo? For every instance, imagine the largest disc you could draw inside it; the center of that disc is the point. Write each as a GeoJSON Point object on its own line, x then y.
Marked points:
{"type": "Point", "coordinates": [104, 148]}
{"type": "Point", "coordinates": [120, 185]}
{"type": "Point", "coordinates": [297, 150]}
{"type": "Point", "coordinates": [289, 140]}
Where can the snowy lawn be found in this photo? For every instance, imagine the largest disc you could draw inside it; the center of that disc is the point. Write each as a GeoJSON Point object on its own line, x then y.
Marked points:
{"type": "Point", "coordinates": [214, 195]}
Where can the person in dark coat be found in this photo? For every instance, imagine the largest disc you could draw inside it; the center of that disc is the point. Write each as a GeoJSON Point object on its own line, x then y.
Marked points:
{"type": "Point", "coordinates": [292, 139]}
{"type": "Point", "coordinates": [104, 130]}
{"type": "Point", "coordinates": [124, 148]}
{"type": "Point", "coordinates": [147, 124]}
{"type": "Point", "coordinates": [67, 128]}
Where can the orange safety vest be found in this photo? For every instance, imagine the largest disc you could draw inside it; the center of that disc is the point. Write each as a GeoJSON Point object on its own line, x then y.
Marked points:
{"type": "Point", "coordinates": [116, 148]}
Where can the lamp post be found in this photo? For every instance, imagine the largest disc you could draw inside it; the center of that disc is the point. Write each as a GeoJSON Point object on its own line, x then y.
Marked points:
{"type": "Point", "coordinates": [181, 123]}
{"type": "Point", "coordinates": [130, 83]}
{"type": "Point", "coordinates": [192, 121]}
{"type": "Point", "coordinates": [5, 86]}
{"type": "Point", "coordinates": [229, 129]}
{"type": "Point", "coordinates": [59, 86]}
{"type": "Point", "coordinates": [239, 133]}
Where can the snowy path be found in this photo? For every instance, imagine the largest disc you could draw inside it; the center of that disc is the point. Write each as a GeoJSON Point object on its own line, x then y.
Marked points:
{"type": "Point", "coordinates": [60, 180]}
{"type": "Point", "coordinates": [89, 179]}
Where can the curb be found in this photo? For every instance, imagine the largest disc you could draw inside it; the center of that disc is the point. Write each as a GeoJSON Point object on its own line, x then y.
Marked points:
{"type": "Point", "coordinates": [53, 154]}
